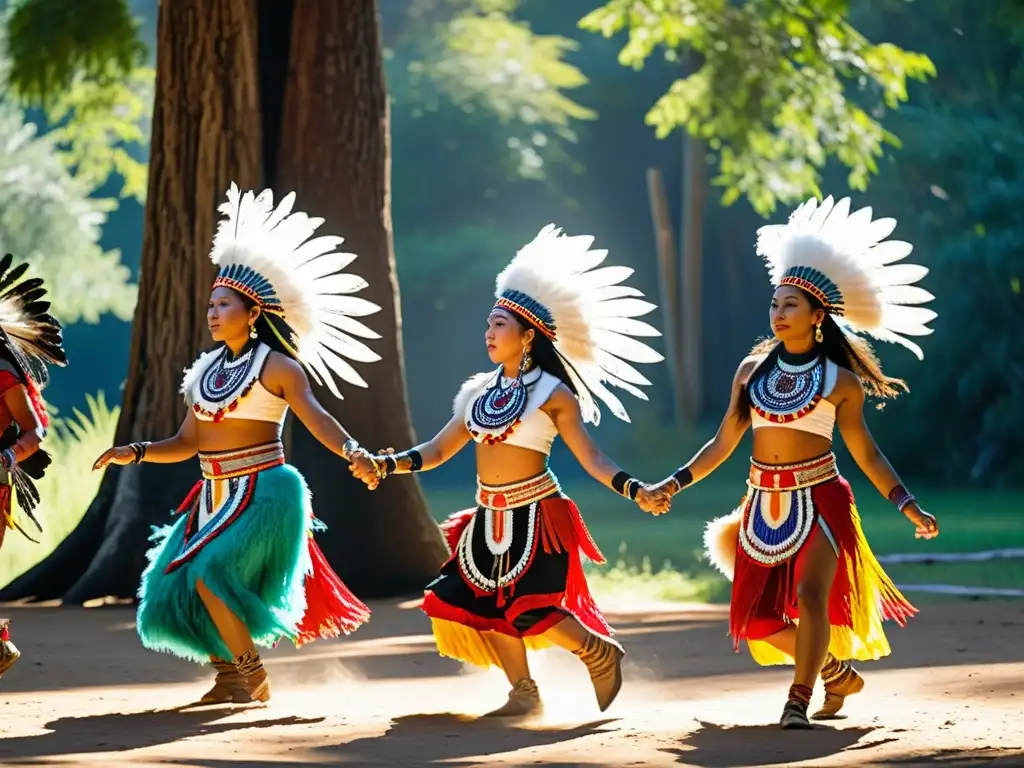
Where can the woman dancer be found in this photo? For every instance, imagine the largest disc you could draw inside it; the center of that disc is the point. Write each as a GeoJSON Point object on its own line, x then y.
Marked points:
{"type": "Point", "coordinates": [806, 587]}
{"type": "Point", "coordinates": [30, 338]}
{"type": "Point", "coordinates": [240, 568]}
{"type": "Point", "coordinates": [560, 331]}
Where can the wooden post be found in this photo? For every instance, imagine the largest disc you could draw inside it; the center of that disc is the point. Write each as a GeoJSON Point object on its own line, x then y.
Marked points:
{"type": "Point", "coordinates": [694, 173]}
{"type": "Point", "coordinates": [668, 285]}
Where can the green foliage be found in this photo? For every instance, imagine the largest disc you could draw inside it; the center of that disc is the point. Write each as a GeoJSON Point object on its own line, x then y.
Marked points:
{"type": "Point", "coordinates": [475, 56]}
{"type": "Point", "coordinates": [68, 487]}
{"type": "Point", "coordinates": [53, 42]}
{"type": "Point", "coordinates": [48, 218]}
{"type": "Point", "coordinates": [97, 123]}
{"type": "Point", "coordinates": [83, 64]}
{"type": "Point", "coordinates": [771, 92]}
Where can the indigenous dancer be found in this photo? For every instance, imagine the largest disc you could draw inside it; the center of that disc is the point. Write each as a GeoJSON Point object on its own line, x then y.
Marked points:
{"type": "Point", "coordinates": [240, 568]}
{"type": "Point", "coordinates": [795, 548]}
{"type": "Point", "coordinates": [559, 332]}
{"type": "Point", "coordinates": [30, 338]}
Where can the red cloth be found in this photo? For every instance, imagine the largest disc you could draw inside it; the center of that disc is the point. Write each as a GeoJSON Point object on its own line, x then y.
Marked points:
{"type": "Point", "coordinates": [561, 528]}
{"type": "Point", "coordinates": [764, 598]}
{"type": "Point", "coordinates": [331, 609]}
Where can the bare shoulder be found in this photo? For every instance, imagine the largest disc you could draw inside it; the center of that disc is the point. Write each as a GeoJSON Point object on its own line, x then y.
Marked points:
{"type": "Point", "coordinates": [561, 399]}
{"type": "Point", "coordinates": [848, 385]}
{"type": "Point", "coordinates": [280, 369]}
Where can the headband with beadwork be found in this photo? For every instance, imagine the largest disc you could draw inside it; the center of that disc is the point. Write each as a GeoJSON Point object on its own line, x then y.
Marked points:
{"type": "Point", "coordinates": [531, 310]}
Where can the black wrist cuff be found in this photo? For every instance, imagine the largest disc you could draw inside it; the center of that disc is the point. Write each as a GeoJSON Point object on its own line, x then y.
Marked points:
{"type": "Point", "coordinates": [626, 485]}
{"type": "Point", "coordinates": [683, 476]}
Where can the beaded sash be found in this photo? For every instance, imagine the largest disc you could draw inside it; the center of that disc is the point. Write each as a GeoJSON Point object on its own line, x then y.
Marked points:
{"type": "Point", "coordinates": [224, 493]}
{"type": "Point", "coordinates": [779, 514]}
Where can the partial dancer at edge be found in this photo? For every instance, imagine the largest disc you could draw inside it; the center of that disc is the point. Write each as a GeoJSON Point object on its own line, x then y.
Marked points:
{"type": "Point", "coordinates": [559, 332]}
{"type": "Point", "coordinates": [240, 568]}
{"type": "Point", "coordinates": [807, 589]}
{"type": "Point", "coordinates": [30, 339]}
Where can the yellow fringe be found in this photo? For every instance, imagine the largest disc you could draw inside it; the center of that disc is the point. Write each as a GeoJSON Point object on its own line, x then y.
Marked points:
{"type": "Point", "coordinates": [472, 646]}
{"type": "Point", "coordinates": [865, 640]}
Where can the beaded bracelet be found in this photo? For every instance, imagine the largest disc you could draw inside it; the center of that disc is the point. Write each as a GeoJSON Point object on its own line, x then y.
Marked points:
{"type": "Point", "coordinates": [901, 497]}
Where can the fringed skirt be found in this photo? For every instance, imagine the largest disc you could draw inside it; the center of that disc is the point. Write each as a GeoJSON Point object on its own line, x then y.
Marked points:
{"type": "Point", "coordinates": [760, 546]}
{"type": "Point", "coordinates": [246, 532]}
{"type": "Point", "coordinates": [516, 567]}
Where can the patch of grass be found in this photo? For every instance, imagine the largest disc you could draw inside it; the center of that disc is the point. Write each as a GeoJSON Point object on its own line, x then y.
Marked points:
{"type": "Point", "coordinates": [68, 487]}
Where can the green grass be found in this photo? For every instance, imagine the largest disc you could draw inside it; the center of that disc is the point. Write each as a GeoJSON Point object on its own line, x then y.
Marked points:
{"type": "Point", "coordinates": [68, 487]}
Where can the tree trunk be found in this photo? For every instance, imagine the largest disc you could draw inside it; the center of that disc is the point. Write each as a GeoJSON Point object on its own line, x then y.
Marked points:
{"type": "Point", "coordinates": [206, 133]}
{"type": "Point", "coordinates": [335, 154]}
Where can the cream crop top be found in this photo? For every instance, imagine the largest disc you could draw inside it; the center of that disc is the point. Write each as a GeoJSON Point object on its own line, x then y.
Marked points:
{"type": "Point", "coordinates": [822, 418]}
{"type": "Point", "coordinates": [215, 388]}
{"type": "Point", "coordinates": [535, 431]}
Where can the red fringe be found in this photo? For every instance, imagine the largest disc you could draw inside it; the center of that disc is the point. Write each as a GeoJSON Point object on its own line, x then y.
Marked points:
{"type": "Point", "coordinates": [561, 529]}
{"type": "Point", "coordinates": [764, 598]}
{"type": "Point", "coordinates": [331, 609]}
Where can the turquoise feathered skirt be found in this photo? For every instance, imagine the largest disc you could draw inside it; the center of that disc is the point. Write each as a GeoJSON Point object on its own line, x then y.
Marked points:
{"type": "Point", "coordinates": [245, 531]}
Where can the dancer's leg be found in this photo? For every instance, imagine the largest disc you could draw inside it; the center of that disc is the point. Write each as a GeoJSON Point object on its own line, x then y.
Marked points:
{"type": "Point", "coordinates": [239, 641]}
{"type": "Point", "coordinates": [524, 698]}
{"type": "Point", "coordinates": [603, 659]}
{"type": "Point", "coordinates": [816, 570]}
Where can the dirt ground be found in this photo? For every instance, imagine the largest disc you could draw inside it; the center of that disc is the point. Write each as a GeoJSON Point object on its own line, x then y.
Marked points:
{"type": "Point", "coordinates": [85, 693]}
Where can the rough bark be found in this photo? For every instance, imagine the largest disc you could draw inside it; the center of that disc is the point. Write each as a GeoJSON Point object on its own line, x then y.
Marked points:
{"type": "Point", "coordinates": [335, 154]}
{"type": "Point", "coordinates": [206, 133]}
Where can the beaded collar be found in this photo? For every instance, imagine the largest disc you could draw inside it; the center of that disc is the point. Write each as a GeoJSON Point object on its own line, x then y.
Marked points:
{"type": "Point", "coordinates": [216, 384]}
{"type": "Point", "coordinates": [496, 412]}
{"type": "Point", "coordinates": [790, 388]}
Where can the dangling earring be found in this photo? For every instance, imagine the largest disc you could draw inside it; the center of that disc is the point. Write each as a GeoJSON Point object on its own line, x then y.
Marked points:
{"type": "Point", "coordinates": [252, 332]}
{"type": "Point", "coordinates": [524, 364]}
{"type": "Point", "coordinates": [818, 335]}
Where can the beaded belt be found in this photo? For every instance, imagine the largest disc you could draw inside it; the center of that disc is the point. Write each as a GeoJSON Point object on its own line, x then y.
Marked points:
{"type": "Point", "coordinates": [224, 465]}
{"type": "Point", "coordinates": [516, 494]}
{"type": "Point", "coordinates": [792, 477]}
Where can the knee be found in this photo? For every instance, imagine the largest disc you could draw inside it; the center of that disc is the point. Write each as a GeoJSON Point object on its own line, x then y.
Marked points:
{"type": "Point", "coordinates": [813, 596]}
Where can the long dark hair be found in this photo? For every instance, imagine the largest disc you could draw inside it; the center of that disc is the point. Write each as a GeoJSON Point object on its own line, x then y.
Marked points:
{"type": "Point", "coordinates": [844, 349]}
{"type": "Point", "coordinates": [545, 356]}
{"type": "Point", "coordinates": [271, 329]}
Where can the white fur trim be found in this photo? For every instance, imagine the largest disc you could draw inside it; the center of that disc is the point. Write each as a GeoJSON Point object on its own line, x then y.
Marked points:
{"type": "Point", "coordinates": [721, 538]}
{"type": "Point", "coordinates": [470, 390]}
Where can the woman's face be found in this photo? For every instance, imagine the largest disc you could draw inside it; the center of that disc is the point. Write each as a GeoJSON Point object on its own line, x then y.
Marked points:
{"type": "Point", "coordinates": [791, 315]}
{"type": "Point", "coordinates": [505, 337]}
{"type": "Point", "coordinates": [227, 316]}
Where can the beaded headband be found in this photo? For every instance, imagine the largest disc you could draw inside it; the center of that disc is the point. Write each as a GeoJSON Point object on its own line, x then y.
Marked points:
{"type": "Point", "coordinates": [818, 285]}
{"type": "Point", "coordinates": [251, 283]}
{"type": "Point", "coordinates": [530, 310]}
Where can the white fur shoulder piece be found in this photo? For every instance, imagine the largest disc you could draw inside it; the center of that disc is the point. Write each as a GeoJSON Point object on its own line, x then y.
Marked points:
{"type": "Point", "coordinates": [196, 370]}
{"type": "Point", "coordinates": [470, 390]}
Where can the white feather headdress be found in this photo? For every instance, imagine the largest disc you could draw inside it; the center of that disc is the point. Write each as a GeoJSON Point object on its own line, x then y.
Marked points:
{"type": "Point", "coordinates": [270, 255]}
{"type": "Point", "coordinates": [844, 260]}
{"type": "Point", "coordinates": [589, 317]}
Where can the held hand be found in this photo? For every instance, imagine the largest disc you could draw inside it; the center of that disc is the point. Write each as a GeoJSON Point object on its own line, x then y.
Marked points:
{"type": "Point", "coordinates": [363, 468]}
{"type": "Point", "coordinates": [119, 455]}
{"type": "Point", "coordinates": [926, 524]}
{"type": "Point", "coordinates": [651, 499]}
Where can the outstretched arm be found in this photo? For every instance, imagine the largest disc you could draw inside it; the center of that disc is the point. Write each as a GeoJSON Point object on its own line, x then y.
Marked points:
{"type": "Point", "coordinates": [871, 460]}
{"type": "Point", "coordinates": [285, 378]}
{"type": "Point", "coordinates": [181, 447]}
{"type": "Point", "coordinates": [721, 446]}
{"type": "Point", "coordinates": [20, 407]}
{"type": "Point", "coordinates": [425, 456]}
{"type": "Point", "coordinates": [564, 410]}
